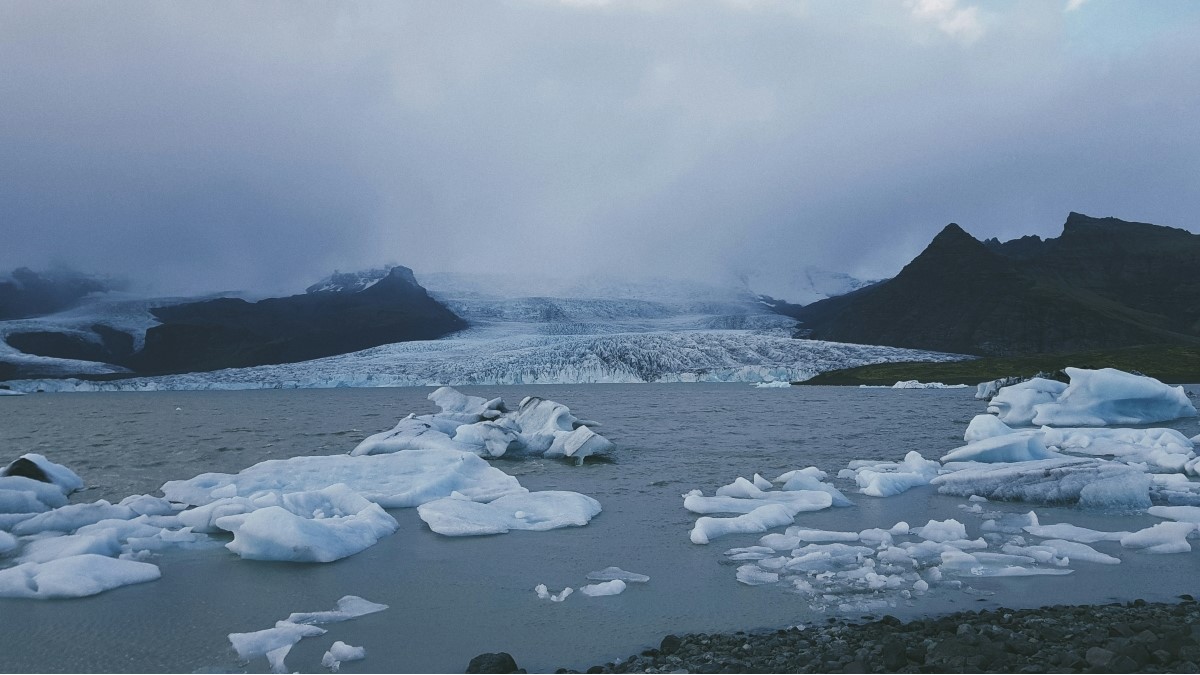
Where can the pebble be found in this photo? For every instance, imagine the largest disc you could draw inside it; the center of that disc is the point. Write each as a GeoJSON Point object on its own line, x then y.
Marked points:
{"type": "Point", "coordinates": [1138, 637]}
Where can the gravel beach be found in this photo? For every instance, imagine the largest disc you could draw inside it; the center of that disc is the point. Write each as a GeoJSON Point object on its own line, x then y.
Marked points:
{"type": "Point", "coordinates": [1132, 637]}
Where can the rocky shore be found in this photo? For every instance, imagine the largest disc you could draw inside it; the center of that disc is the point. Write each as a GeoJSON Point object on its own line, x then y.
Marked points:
{"type": "Point", "coordinates": [1133, 637]}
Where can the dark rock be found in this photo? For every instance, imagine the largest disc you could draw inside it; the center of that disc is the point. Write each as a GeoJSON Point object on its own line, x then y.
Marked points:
{"type": "Point", "coordinates": [499, 662]}
{"type": "Point", "coordinates": [26, 468]}
{"type": "Point", "coordinates": [669, 644]}
{"type": "Point", "coordinates": [1099, 657]}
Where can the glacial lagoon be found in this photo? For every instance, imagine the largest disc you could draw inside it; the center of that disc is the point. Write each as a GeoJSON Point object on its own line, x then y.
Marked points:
{"type": "Point", "coordinates": [452, 598]}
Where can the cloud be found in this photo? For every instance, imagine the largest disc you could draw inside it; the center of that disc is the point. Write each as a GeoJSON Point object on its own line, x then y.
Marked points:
{"type": "Point", "coordinates": [961, 23]}
{"type": "Point", "coordinates": [233, 145]}
{"type": "Point", "coordinates": [1073, 5]}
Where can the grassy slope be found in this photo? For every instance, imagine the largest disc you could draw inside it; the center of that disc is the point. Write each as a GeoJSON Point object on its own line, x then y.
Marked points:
{"type": "Point", "coordinates": [1169, 363]}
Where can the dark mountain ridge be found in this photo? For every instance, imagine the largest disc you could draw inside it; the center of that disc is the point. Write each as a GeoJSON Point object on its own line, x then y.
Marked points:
{"type": "Point", "coordinates": [26, 293]}
{"type": "Point", "coordinates": [1103, 283]}
{"type": "Point", "coordinates": [234, 333]}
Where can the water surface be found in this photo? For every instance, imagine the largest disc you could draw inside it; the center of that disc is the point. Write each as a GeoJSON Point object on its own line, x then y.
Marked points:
{"type": "Point", "coordinates": [453, 598]}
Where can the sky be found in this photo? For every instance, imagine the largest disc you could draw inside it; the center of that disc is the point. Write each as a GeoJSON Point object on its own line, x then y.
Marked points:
{"type": "Point", "coordinates": [206, 146]}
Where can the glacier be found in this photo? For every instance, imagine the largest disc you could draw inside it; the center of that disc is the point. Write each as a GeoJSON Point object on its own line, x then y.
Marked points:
{"type": "Point", "coordinates": [592, 333]}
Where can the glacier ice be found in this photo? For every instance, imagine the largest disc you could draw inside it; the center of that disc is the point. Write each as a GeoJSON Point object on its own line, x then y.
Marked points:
{"type": "Point", "coordinates": [276, 642]}
{"type": "Point", "coordinates": [613, 587]}
{"type": "Point", "coordinates": [885, 479]}
{"type": "Point", "coordinates": [1185, 514]}
{"type": "Point", "coordinates": [1161, 538]}
{"type": "Point", "coordinates": [1094, 398]}
{"type": "Point", "coordinates": [760, 519]}
{"type": "Point", "coordinates": [74, 576]}
{"type": "Point", "coordinates": [395, 480]}
{"type": "Point", "coordinates": [457, 516]}
{"type": "Point", "coordinates": [471, 424]}
{"type": "Point", "coordinates": [1089, 482]}
{"type": "Point", "coordinates": [611, 573]}
{"type": "Point", "coordinates": [314, 526]}
{"type": "Point", "coordinates": [339, 652]}
{"type": "Point", "coordinates": [1018, 446]}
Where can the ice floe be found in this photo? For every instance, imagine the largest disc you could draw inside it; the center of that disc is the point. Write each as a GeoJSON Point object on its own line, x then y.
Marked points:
{"type": "Point", "coordinates": [776, 384]}
{"type": "Point", "coordinates": [486, 427]}
{"type": "Point", "coordinates": [914, 384]}
{"type": "Point", "coordinates": [339, 652]}
{"type": "Point", "coordinates": [458, 516]}
{"type": "Point", "coordinates": [885, 479]}
{"type": "Point", "coordinates": [760, 519]}
{"type": "Point", "coordinates": [276, 642]}
{"type": "Point", "coordinates": [395, 480]}
{"type": "Point", "coordinates": [615, 573]}
{"type": "Point", "coordinates": [74, 576]}
{"type": "Point", "coordinates": [1161, 538]}
{"type": "Point", "coordinates": [315, 526]}
{"type": "Point", "coordinates": [1094, 398]}
{"type": "Point", "coordinates": [614, 587]}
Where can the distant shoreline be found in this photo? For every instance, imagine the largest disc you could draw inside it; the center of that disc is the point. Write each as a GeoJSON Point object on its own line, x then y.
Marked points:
{"type": "Point", "coordinates": [1172, 364]}
{"type": "Point", "coordinates": [1136, 636]}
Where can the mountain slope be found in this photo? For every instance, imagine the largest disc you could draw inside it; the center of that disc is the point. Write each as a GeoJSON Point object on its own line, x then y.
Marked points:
{"type": "Point", "coordinates": [233, 333]}
{"type": "Point", "coordinates": [1104, 283]}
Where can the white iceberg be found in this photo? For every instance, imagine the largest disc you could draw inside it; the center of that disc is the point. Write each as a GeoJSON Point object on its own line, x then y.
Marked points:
{"type": "Point", "coordinates": [613, 573]}
{"type": "Point", "coordinates": [1161, 538]}
{"type": "Point", "coordinates": [885, 479]}
{"type": "Point", "coordinates": [1015, 405]}
{"type": "Point", "coordinates": [1094, 398]}
{"type": "Point", "coordinates": [759, 520]}
{"type": "Point", "coordinates": [1018, 446]}
{"type": "Point", "coordinates": [1088, 482]}
{"type": "Point", "coordinates": [614, 587]}
{"type": "Point", "coordinates": [73, 577]}
{"type": "Point", "coordinates": [275, 642]}
{"type": "Point", "coordinates": [1184, 514]}
{"type": "Point", "coordinates": [339, 652]}
{"type": "Point", "coordinates": [914, 384]}
{"type": "Point", "coordinates": [458, 517]}
{"type": "Point", "coordinates": [396, 480]}
{"type": "Point", "coordinates": [776, 384]}
{"type": "Point", "coordinates": [487, 428]}
{"type": "Point", "coordinates": [316, 526]}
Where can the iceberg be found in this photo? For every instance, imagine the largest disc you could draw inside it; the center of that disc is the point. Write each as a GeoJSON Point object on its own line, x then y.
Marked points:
{"type": "Point", "coordinates": [339, 652]}
{"type": "Point", "coordinates": [885, 479]}
{"type": "Point", "coordinates": [37, 467]}
{"type": "Point", "coordinates": [396, 480]}
{"type": "Point", "coordinates": [914, 384]}
{"type": "Point", "coordinates": [275, 642]}
{"type": "Point", "coordinates": [775, 384]}
{"type": "Point", "coordinates": [487, 428]}
{"type": "Point", "coordinates": [1088, 482]}
{"type": "Point", "coordinates": [1015, 404]}
{"type": "Point", "coordinates": [75, 576]}
{"type": "Point", "coordinates": [1094, 398]}
{"type": "Point", "coordinates": [457, 516]}
{"type": "Point", "coordinates": [613, 573]}
{"type": "Point", "coordinates": [614, 587]}
{"type": "Point", "coordinates": [1018, 446]}
{"type": "Point", "coordinates": [317, 526]}
{"type": "Point", "coordinates": [759, 520]}
{"type": "Point", "coordinates": [1183, 514]}
{"type": "Point", "coordinates": [1161, 538]}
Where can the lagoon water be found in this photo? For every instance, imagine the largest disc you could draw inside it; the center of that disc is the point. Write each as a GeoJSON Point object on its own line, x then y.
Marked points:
{"type": "Point", "coordinates": [453, 598]}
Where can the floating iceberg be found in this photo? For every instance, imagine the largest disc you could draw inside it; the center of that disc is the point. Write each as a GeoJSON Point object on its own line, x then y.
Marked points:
{"type": "Point", "coordinates": [487, 428]}
{"type": "Point", "coordinates": [317, 526]}
{"type": "Point", "coordinates": [613, 573]}
{"type": "Point", "coordinates": [614, 587]}
{"type": "Point", "coordinates": [275, 642]}
{"type": "Point", "coordinates": [339, 652]}
{"type": "Point", "coordinates": [1094, 398]}
{"type": "Point", "coordinates": [457, 516]}
{"type": "Point", "coordinates": [1161, 538]}
{"type": "Point", "coordinates": [776, 384]}
{"type": "Point", "coordinates": [759, 520]}
{"type": "Point", "coordinates": [1018, 446]}
{"type": "Point", "coordinates": [885, 479]}
{"type": "Point", "coordinates": [1088, 482]}
{"type": "Point", "coordinates": [73, 577]}
{"type": "Point", "coordinates": [397, 480]}
{"type": "Point", "coordinates": [914, 384]}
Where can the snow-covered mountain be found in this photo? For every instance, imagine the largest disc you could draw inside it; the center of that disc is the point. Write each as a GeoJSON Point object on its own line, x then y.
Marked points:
{"type": "Point", "coordinates": [643, 332]}
{"type": "Point", "coordinates": [803, 286]}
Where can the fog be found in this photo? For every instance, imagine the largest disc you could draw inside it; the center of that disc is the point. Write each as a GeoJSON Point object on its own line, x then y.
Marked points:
{"type": "Point", "coordinates": [205, 146]}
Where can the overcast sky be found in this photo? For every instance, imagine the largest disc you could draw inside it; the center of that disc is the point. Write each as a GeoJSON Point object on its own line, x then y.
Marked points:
{"type": "Point", "coordinates": [205, 145]}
